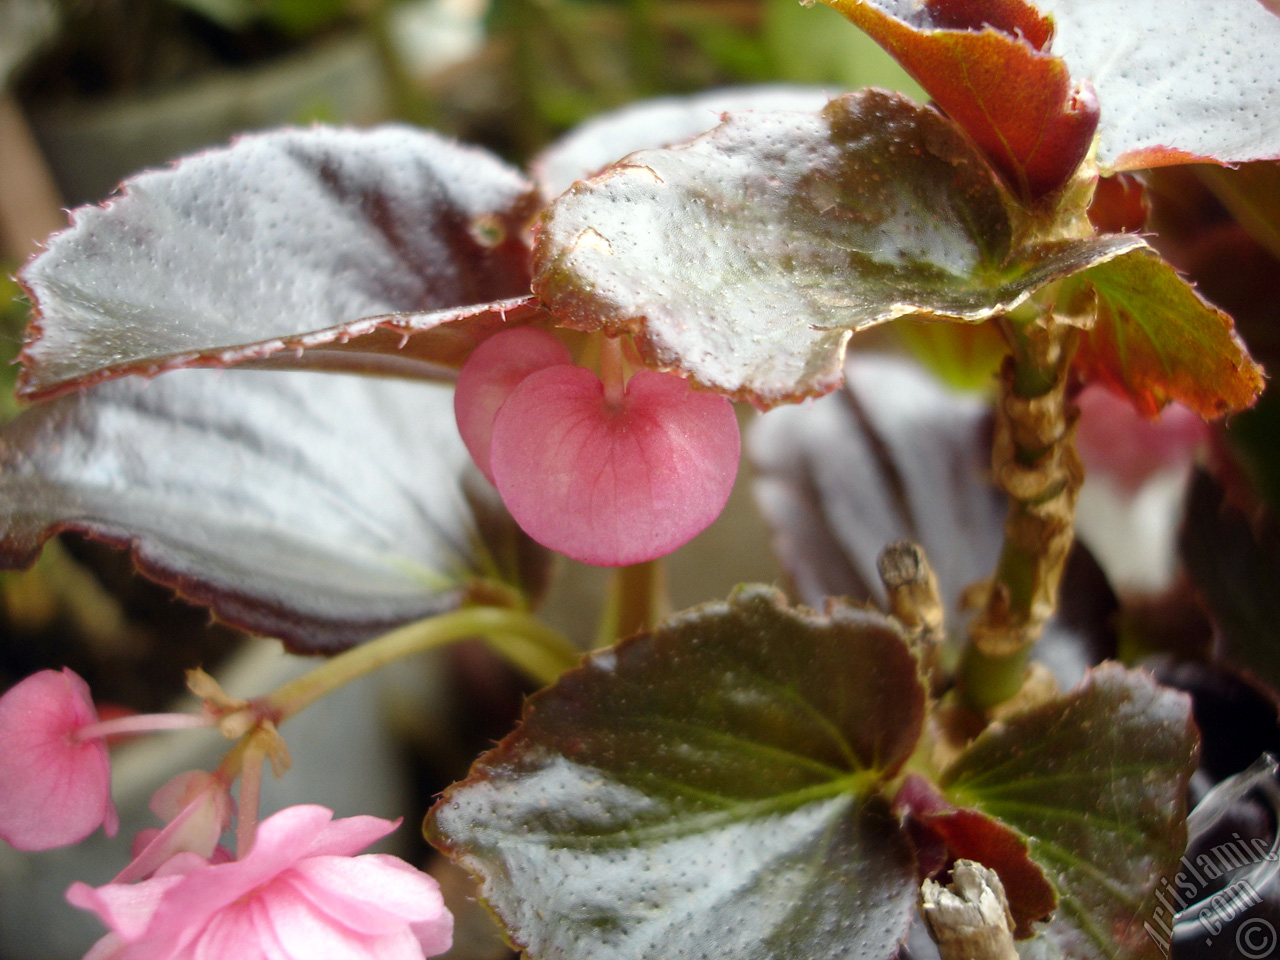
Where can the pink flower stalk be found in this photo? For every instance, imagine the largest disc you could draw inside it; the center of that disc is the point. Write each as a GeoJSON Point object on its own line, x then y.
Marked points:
{"type": "Point", "coordinates": [55, 787]}
{"type": "Point", "coordinates": [300, 893]}
{"type": "Point", "coordinates": [605, 479]}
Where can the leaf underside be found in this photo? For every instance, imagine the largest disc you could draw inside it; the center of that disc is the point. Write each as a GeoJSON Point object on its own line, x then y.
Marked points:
{"type": "Point", "coordinates": [385, 251]}
{"type": "Point", "coordinates": [703, 791]}
{"type": "Point", "coordinates": [1096, 780]}
{"type": "Point", "coordinates": [1155, 340]}
{"type": "Point", "coordinates": [745, 258]}
{"type": "Point", "coordinates": [317, 508]}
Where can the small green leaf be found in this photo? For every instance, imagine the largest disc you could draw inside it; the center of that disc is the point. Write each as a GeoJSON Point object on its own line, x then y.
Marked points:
{"type": "Point", "coordinates": [705, 791]}
{"type": "Point", "coordinates": [744, 258]}
{"type": "Point", "coordinates": [1096, 780]}
{"type": "Point", "coordinates": [1155, 339]}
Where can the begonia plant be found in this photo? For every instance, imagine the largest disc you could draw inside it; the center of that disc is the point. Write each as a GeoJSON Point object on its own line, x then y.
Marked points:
{"type": "Point", "coordinates": [445, 373]}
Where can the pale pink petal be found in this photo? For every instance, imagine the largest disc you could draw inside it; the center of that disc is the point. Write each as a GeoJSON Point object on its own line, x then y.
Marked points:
{"type": "Point", "coordinates": [126, 908]}
{"type": "Point", "coordinates": [242, 931]}
{"type": "Point", "coordinates": [54, 789]}
{"type": "Point", "coordinates": [347, 836]}
{"type": "Point", "coordinates": [493, 370]}
{"type": "Point", "coordinates": [613, 486]}
{"type": "Point", "coordinates": [372, 894]}
{"type": "Point", "coordinates": [1116, 441]}
{"type": "Point", "coordinates": [198, 806]}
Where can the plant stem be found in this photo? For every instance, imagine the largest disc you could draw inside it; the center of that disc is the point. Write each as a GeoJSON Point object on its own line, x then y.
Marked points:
{"type": "Point", "coordinates": [637, 601]}
{"type": "Point", "coordinates": [613, 372]}
{"type": "Point", "coordinates": [531, 644]}
{"type": "Point", "coordinates": [1035, 464]}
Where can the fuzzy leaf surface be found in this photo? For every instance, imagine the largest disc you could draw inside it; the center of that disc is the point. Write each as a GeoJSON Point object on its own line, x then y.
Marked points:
{"type": "Point", "coordinates": [1096, 781]}
{"type": "Point", "coordinates": [744, 259]}
{"type": "Point", "coordinates": [321, 509]}
{"type": "Point", "coordinates": [1155, 340]}
{"type": "Point", "coordinates": [706, 790]}
{"type": "Point", "coordinates": [385, 251]}
{"type": "Point", "coordinates": [1173, 83]}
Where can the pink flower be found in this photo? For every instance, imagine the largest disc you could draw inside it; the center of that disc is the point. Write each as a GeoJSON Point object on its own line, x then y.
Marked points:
{"type": "Point", "coordinates": [300, 893]}
{"type": "Point", "coordinates": [55, 789]}
{"type": "Point", "coordinates": [608, 481]}
{"type": "Point", "coordinates": [1116, 441]}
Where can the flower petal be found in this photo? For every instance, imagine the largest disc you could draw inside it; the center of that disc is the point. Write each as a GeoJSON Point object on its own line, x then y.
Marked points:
{"type": "Point", "coordinates": [54, 789]}
{"type": "Point", "coordinates": [493, 370]}
{"type": "Point", "coordinates": [613, 485]}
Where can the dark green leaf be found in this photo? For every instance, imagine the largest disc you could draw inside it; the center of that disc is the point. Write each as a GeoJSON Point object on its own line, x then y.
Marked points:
{"type": "Point", "coordinates": [1155, 339]}
{"type": "Point", "coordinates": [320, 509]}
{"type": "Point", "coordinates": [1096, 781]}
{"type": "Point", "coordinates": [746, 257]}
{"type": "Point", "coordinates": [362, 248]}
{"type": "Point", "coordinates": [708, 790]}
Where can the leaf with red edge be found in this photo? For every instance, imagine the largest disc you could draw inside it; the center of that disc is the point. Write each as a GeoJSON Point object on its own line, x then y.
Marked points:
{"type": "Point", "coordinates": [743, 259]}
{"type": "Point", "coordinates": [987, 64]}
{"type": "Point", "coordinates": [1096, 781]}
{"type": "Point", "coordinates": [707, 790]}
{"type": "Point", "coordinates": [1174, 83]}
{"type": "Point", "coordinates": [318, 508]}
{"type": "Point", "coordinates": [1155, 340]}
{"type": "Point", "coordinates": [385, 251]}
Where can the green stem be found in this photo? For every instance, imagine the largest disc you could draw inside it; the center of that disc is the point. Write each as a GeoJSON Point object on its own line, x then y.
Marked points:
{"type": "Point", "coordinates": [1035, 464]}
{"type": "Point", "coordinates": [530, 644]}
{"type": "Point", "coordinates": [637, 601]}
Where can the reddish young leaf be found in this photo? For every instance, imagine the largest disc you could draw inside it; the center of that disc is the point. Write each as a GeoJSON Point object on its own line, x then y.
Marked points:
{"type": "Point", "coordinates": [972, 835]}
{"type": "Point", "coordinates": [1173, 83]}
{"type": "Point", "coordinates": [1155, 340]}
{"type": "Point", "coordinates": [988, 65]}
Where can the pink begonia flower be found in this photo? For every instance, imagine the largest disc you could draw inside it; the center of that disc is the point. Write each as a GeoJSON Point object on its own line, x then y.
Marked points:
{"type": "Point", "coordinates": [606, 483]}
{"type": "Point", "coordinates": [299, 894]}
{"type": "Point", "coordinates": [55, 789]}
{"type": "Point", "coordinates": [197, 807]}
{"type": "Point", "coordinates": [1116, 441]}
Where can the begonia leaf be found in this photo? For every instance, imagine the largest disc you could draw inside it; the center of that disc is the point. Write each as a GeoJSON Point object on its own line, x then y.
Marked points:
{"type": "Point", "coordinates": [897, 456]}
{"type": "Point", "coordinates": [385, 251]}
{"type": "Point", "coordinates": [1233, 560]}
{"type": "Point", "coordinates": [971, 835]}
{"type": "Point", "coordinates": [987, 65]}
{"type": "Point", "coordinates": [1170, 87]}
{"type": "Point", "coordinates": [1096, 781]}
{"type": "Point", "coordinates": [745, 258]}
{"type": "Point", "coordinates": [706, 790]}
{"type": "Point", "coordinates": [659, 122]}
{"type": "Point", "coordinates": [1155, 340]}
{"type": "Point", "coordinates": [319, 508]}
